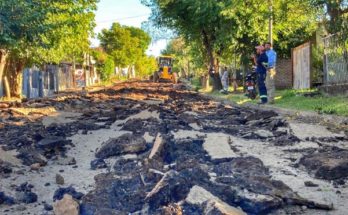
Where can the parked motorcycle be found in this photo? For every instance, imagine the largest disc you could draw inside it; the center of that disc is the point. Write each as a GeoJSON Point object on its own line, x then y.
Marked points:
{"type": "Point", "coordinates": [250, 85]}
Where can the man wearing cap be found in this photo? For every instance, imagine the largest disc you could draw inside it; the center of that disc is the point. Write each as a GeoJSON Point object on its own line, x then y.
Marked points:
{"type": "Point", "coordinates": [261, 62]}
{"type": "Point", "coordinates": [271, 73]}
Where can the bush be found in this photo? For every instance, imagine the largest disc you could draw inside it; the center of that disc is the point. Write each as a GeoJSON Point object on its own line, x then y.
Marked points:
{"type": "Point", "coordinates": [107, 69]}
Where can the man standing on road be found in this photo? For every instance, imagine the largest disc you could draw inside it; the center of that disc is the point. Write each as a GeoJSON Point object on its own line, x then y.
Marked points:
{"type": "Point", "coordinates": [261, 62]}
{"type": "Point", "coordinates": [271, 72]}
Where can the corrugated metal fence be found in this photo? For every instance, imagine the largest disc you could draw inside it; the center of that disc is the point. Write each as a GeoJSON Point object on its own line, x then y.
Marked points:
{"type": "Point", "coordinates": [46, 82]}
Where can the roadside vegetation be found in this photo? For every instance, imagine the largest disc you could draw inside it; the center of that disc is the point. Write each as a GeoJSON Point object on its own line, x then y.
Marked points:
{"type": "Point", "coordinates": [312, 101]}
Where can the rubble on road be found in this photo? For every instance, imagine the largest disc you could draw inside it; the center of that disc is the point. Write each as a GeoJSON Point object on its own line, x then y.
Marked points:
{"type": "Point", "coordinates": [4, 199]}
{"type": "Point", "coordinates": [59, 194]}
{"type": "Point", "coordinates": [25, 195]}
{"type": "Point", "coordinates": [126, 144]}
{"type": "Point", "coordinates": [328, 164]}
{"type": "Point", "coordinates": [5, 168]}
{"type": "Point", "coordinates": [174, 153]}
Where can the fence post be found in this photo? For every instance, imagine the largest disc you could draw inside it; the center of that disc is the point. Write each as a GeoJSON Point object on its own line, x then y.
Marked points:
{"type": "Point", "coordinates": [40, 84]}
{"type": "Point", "coordinates": [30, 77]}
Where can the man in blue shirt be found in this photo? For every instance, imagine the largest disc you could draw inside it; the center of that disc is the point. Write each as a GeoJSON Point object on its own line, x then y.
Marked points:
{"type": "Point", "coordinates": [271, 73]}
{"type": "Point", "coordinates": [261, 62]}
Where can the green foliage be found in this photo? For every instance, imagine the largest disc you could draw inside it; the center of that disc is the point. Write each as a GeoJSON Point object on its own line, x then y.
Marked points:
{"type": "Point", "coordinates": [317, 63]}
{"type": "Point", "coordinates": [196, 83]}
{"type": "Point", "coordinates": [22, 22]}
{"type": "Point", "coordinates": [146, 66]}
{"type": "Point", "coordinates": [70, 40]}
{"type": "Point", "coordinates": [294, 22]}
{"type": "Point", "coordinates": [226, 28]}
{"type": "Point", "coordinates": [105, 64]}
{"type": "Point", "coordinates": [40, 32]}
{"type": "Point", "coordinates": [126, 45]}
{"type": "Point", "coordinates": [46, 31]}
{"type": "Point", "coordinates": [334, 16]}
{"type": "Point", "coordinates": [297, 100]}
{"type": "Point", "coordinates": [107, 69]}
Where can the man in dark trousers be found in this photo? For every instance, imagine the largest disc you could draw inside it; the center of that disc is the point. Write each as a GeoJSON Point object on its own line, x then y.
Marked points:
{"type": "Point", "coordinates": [261, 61]}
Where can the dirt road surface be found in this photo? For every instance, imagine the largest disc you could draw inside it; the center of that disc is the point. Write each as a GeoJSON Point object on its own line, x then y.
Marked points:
{"type": "Point", "coordinates": [145, 148]}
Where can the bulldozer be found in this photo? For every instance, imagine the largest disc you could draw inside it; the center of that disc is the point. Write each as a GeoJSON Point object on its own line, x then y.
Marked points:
{"type": "Point", "coordinates": [165, 72]}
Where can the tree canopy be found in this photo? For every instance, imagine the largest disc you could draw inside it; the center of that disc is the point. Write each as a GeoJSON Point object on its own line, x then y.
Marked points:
{"type": "Point", "coordinates": [222, 28]}
{"type": "Point", "coordinates": [127, 46]}
{"type": "Point", "coordinates": [35, 31]}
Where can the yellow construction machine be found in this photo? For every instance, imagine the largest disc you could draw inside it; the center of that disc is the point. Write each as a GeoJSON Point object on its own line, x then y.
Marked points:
{"type": "Point", "coordinates": [165, 72]}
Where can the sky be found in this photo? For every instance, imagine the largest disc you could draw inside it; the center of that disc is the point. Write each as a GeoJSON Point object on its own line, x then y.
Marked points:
{"type": "Point", "coordinates": [126, 12]}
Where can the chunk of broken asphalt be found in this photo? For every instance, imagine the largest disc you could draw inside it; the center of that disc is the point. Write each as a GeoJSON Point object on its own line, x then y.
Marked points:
{"type": "Point", "coordinates": [4, 199]}
{"type": "Point", "coordinates": [98, 164]}
{"type": "Point", "coordinates": [25, 195]}
{"type": "Point", "coordinates": [59, 193]}
{"type": "Point", "coordinates": [310, 184]}
{"type": "Point", "coordinates": [126, 144]}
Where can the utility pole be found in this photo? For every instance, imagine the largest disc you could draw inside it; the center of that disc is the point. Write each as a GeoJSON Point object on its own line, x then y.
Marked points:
{"type": "Point", "coordinates": [270, 28]}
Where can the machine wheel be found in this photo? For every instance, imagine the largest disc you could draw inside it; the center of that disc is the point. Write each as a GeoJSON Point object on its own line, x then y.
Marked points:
{"type": "Point", "coordinates": [155, 77]}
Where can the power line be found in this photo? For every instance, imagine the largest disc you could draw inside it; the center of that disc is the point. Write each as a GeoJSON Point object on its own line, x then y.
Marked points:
{"type": "Point", "coordinates": [123, 18]}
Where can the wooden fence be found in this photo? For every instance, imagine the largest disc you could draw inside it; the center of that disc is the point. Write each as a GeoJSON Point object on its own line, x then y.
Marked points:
{"type": "Point", "coordinates": [301, 61]}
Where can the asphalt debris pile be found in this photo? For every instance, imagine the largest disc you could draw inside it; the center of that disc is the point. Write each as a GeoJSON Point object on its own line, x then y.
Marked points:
{"type": "Point", "coordinates": [36, 142]}
{"type": "Point", "coordinates": [176, 175]}
{"type": "Point", "coordinates": [329, 163]}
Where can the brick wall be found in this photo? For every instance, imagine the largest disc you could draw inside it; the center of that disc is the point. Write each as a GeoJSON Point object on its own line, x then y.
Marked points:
{"type": "Point", "coordinates": [284, 74]}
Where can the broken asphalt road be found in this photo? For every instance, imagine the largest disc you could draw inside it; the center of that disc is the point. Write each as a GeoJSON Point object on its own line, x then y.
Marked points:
{"type": "Point", "coordinates": [145, 148]}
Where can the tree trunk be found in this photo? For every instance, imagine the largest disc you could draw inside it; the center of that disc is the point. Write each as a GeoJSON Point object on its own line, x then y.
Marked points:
{"type": "Point", "coordinates": [217, 85]}
{"type": "Point", "coordinates": [3, 60]}
{"type": "Point", "coordinates": [14, 74]}
{"type": "Point", "coordinates": [7, 88]}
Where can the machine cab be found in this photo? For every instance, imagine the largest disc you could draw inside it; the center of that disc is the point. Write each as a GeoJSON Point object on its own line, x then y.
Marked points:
{"type": "Point", "coordinates": [165, 64]}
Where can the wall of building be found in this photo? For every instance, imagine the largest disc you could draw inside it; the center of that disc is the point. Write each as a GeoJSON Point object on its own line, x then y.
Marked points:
{"type": "Point", "coordinates": [284, 77]}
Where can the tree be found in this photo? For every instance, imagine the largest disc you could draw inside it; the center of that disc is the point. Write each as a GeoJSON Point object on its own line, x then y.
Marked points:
{"type": "Point", "coordinates": [201, 22]}
{"type": "Point", "coordinates": [335, 16]}
{"type": "Point", "coordinates": [145, 66]}
{"type": "Point", "coordinates": [35, 31]}
{"type": "Point", "coordinates": [127, 46]}
{"type": "Point", "coordinates": [105, 63]}
{"type": "Point", "coordinates": [294, 22]}
{"type": "Point", "coordinates": [107, 69]}
{"type": "Point", "coordinates": [21, 23]}
{"type": "Point", "coordinates": [221, 29]}
{"type": "Point", "coordinates": [124, 44]}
